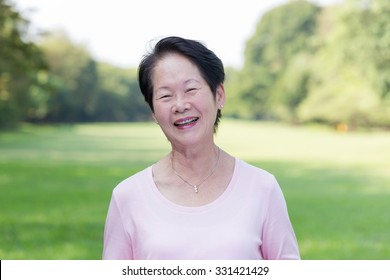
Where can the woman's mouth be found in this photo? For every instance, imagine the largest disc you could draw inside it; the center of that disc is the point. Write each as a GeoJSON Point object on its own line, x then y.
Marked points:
{"type": "Point", "coordinates": [186, 122]}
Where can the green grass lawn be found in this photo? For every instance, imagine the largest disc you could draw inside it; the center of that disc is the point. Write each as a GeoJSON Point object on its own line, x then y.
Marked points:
{"type": "Point", "coordinates": [56, 183]}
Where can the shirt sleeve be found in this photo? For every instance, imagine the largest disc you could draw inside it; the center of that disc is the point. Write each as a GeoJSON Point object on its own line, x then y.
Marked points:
{"type": "Point", "coordinates": [279, 241]}
{"type": "Point", "coordinates": [117, 241]}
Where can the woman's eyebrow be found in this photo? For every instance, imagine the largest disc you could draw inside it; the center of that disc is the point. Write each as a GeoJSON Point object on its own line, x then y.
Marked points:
{"type": "Point", "coordinates": [191, 80]}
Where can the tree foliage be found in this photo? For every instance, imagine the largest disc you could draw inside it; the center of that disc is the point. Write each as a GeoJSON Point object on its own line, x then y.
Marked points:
{"type": "Point", "coordinates": [350, 74]}
{"type": "Point", "coordinates": [22, 70]}
{"type": "Point", "coordinates": [304, 63]}
{"type": "Point", "coordinates": [325, 64]}
{"type": "Point", "coordinates": [73, 78]}
{"type": "Point", "coordinates": [119, 97]}
{"type": "Point", "coordinates": [58, 80]}
{"type": "Point", "coordinates": [281, 35]}
{"type": "Point", "coordinates": [85, 90]}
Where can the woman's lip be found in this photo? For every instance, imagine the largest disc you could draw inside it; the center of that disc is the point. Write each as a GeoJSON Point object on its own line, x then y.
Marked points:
{"type": "Point", "coordinates": [185, 121]}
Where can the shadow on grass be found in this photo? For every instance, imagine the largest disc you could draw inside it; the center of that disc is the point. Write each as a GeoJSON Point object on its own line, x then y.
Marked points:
{"type": "Point", "coordinates": [337, 212]}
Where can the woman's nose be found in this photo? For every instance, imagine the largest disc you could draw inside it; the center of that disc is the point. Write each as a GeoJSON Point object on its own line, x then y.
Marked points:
{"type": "Point", "coordinates": [180, 104]}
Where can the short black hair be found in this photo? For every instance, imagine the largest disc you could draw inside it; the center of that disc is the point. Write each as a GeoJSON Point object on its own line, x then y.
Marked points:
{"type": "Point", "coordinates": [209, 65]}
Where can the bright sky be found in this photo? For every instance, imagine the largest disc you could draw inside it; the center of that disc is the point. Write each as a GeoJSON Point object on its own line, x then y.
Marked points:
{"type": "Point", "coordinates": [118, 31]}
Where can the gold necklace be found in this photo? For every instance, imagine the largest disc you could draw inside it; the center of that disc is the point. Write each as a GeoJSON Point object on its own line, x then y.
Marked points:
{"type": "Point", "coordinates": [195, 187]}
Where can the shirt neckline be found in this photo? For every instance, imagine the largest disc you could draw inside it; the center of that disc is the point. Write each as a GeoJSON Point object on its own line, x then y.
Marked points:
{"type": "Point", "coordinates": [192, 209]}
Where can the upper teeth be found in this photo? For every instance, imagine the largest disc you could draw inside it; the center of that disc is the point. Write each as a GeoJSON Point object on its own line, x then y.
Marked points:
{"type": "Point", "coordinates": [186, 121]}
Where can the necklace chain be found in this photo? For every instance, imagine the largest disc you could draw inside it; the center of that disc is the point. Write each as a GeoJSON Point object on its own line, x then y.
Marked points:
{"type": "Point", "coordinates": [201, 182]}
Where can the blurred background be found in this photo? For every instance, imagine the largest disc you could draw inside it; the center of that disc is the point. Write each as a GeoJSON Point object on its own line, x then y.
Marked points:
{"type": "Point", "coordinates": [308, 85]}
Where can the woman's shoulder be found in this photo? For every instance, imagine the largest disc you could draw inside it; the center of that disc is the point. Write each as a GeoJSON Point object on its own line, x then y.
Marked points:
{"type": "Point", "coordinates": [253, 170]}
{"type": "Point", "coordinates": [133, 182]}
{"type": "Point", "coordinates": [255, 176]}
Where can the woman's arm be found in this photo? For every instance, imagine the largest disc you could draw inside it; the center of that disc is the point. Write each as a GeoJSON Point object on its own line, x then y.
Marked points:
{"type": "Point", "coordinates": [117, 241]}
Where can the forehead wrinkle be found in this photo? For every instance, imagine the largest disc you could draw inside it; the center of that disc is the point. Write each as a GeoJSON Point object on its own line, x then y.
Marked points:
{"type": "Point", "coordinates": [172, 76]}
{"type": "Point", "coordinates": [192, 80]}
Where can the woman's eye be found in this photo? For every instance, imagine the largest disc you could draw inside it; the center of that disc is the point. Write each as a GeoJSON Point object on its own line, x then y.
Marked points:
{"type": "Point", "coordinates": [164, 96]}
{"type": "Point", "coordinates": [191, 90]}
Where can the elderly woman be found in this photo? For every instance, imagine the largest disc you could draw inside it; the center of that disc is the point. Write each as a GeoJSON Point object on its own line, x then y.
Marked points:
{"type": "Point", "coordinates": [198, 202]}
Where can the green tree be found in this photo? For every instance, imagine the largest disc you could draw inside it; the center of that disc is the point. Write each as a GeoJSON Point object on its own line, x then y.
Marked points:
{"type": "Point", "coordinates": [119, 98]}
{"type": "Point", "coordinates": [369, 36]}
{"type": "Point", "coordinates": [235, 107]}
{"type": "Point", "coordinates": [281, 35]}
{"type": "Point", "coordinates": [86, 90]}
{"type": "Point", "coordinates": [368, 32]}
{"type": "Point", "coordinates": [22, 70]}
{"type": "Point", "coordinates": [291, 89]}
{"type": "Point", "coordinates": [350, 73]}
{"type": "Point", "coordinates": [73, 77]}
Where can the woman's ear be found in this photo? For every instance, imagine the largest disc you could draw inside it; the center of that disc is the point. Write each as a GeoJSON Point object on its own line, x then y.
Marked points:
{"type": "Point", "coordinates": [220, 96]}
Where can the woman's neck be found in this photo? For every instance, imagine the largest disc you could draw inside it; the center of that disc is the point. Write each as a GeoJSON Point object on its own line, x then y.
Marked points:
{"type": "Point", "coordinates": [194, 163]}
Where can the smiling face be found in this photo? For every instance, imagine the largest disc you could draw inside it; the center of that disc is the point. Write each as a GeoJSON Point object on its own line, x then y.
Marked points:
{"type": "Point", "coordinates": [184, 105]}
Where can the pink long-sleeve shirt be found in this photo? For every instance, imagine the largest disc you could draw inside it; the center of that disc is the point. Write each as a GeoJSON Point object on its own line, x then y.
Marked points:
{"type": "Point", "coordinates": [248, 221]}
